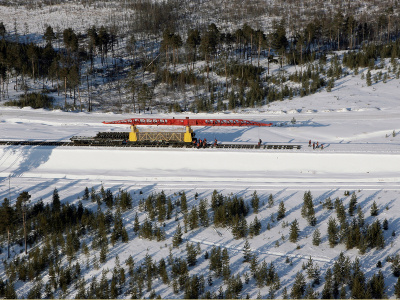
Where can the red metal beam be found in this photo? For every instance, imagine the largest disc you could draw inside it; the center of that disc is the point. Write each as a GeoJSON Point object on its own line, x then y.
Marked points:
{"type": "Point", "coordinates": [188, 122]}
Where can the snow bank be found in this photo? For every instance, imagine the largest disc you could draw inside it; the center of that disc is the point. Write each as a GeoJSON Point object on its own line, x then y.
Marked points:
{"type": "Point", "coordinates": [196, 164]}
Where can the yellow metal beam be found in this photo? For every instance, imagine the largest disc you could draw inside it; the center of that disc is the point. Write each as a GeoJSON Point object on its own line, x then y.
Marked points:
{"type": "Point", "coordinates": [132, 134]}
{"type": "Point", "coordinates": [188, 135]}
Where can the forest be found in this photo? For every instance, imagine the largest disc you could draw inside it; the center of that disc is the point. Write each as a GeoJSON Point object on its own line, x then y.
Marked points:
{"type": "Point", "coordinates": [176, 56]}
{"type": "Point", "coordinates": [65, 241]}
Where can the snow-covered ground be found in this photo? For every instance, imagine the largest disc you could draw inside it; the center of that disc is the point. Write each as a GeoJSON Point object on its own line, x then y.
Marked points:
{"type": "Point", "coordinates": [354, 122]}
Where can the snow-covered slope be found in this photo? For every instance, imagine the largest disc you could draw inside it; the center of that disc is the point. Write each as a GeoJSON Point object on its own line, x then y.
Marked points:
{"type": "Point", "coordinates": [361, 154]}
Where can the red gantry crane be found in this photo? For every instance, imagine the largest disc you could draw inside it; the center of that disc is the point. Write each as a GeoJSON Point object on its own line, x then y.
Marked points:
{"type": "Point", "coordinates": [133, 137]}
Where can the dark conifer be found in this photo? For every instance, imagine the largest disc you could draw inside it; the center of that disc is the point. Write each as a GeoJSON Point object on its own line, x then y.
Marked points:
{"type": "Point", "coordinates": [374, 209]}
{"type": "Point", "coordinates": [56, 201]}
{"type": "Point", "coordinates": [332, 232]}
{"type": "Point", "coordinates": [281, 211]}
{"type": "Point", "coordinates": [255, 202]}
{"type": "Point", "coordinates": [294, 231]}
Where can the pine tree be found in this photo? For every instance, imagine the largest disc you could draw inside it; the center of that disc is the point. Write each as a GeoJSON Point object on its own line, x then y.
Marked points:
{"type": "Point", "coordinates": [307, 211]}
{"type": "Point", "coordinates": [298, 287]}
{"type": "Point", "coordinates": [353, 204]}
{"type": "Point", "coordinates": [368, 78]}
{"type": "Point", "coordinates": [281, 211]}
{"type": "Point", "coordinates": [86, 194]}
{"type": "Point", "coordinates": [246, 252]}
{"type": "Point", "coordinates": [203, 214]}
{"type": "Point", "coordinates": [103, 253]}
{"type": "Point", "coordinates": [316, 239]}
{"type": "Point", "coordinates": [177, 238]}
{"type": "Point", "coordinates": [294, 231]}
{"type": "Point", "coordinates": [191, 254]}
{"type": "Point", "coordinates": [395, 267]}
{"type": "Point", "coordinates": [56, 201]}
{"type": "Point", "coordinates": [136, 224]}
{"type": "Point", "coordinates": [374, 209]}
{"type": "Point", "coordinates": [332, 232]}
{"type": "Point", "coordinates": [270, 201]}
{"type": "Point", "coordinates": [193, 218]}
{"type": "Point", "coordinates": [385, 224]}
{"type": "Point", "coordinates": [183, 202]}
{"type": "Point", "coordinates": [340, 211]}
{"type": "Point", "coordinates": [397, 288]}
{"type": "Point", "coordinates": [360, 217]}
{"type": "Point", "coordinates": [255, 202]}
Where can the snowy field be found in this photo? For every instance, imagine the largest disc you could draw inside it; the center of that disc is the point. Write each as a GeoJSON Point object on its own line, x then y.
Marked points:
{"type": "Point", "coordinates": [359, 127]}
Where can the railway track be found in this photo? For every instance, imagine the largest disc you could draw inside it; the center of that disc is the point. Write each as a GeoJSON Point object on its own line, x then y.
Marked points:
{"type": "Point", "coordinates": [145, 145]}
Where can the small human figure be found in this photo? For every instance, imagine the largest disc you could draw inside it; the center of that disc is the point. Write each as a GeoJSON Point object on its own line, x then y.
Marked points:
{"type": "Point", "coordinates": [259, 142]}
{"type": "Point", "coordinates": [215, 142]}
{"type": "Point", "coordinates": [317, 144]}
{"type": "Point", "coordinates": [309, 143]}
{"type": "Point", "coordinates": [313, 145]}
{"type": "Point", "coordinates": [322, 146]}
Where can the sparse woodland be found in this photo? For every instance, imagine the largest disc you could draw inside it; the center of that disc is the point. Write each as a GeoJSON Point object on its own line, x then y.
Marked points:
{"type": "Point", "coordinates": [60, 243]}
{"type": "Point", "coordinates": [199, 56]}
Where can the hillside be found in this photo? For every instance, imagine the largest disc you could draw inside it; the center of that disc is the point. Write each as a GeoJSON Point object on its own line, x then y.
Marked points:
{"type": "Point", "coordinates": [104, 222]}
{"type": "Point", "coordinates": [361, 155]}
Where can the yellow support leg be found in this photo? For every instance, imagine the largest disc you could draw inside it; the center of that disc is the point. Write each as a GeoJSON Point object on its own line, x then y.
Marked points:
{"type": "Point", "coordinates": [188, 135]}
{"type": "Point", "coordinates": [132, 134]}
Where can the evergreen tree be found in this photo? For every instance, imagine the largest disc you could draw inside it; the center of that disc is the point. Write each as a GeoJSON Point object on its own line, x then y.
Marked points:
{"type": "Point", "coordinates": [385, 224]}
{"type": "Point", "coordinates": [119, 229]}
{"type": "Point", "coordinates": [368, 78]}
{"type": "Point", "coordinates": [332, 232]}
{"type": "Point", "coordinates": [246, 252]}
{"type": "Point", "coordinates": [397, 288]}
{"type": "Point", "coordinates": [374, 209]}
{"type": "Point", "coordinates": [281, 211]}
{"type": "Point", "coordinates": [377, 286]}
{"type": "Point", "coordinates": [310, 293]}
{"type": "Point", "coordinates": [193, 218]}
{"type": "Point", "coordinates": [270, 201]}
{"type": "Point", "coordinates": [307, 211]}
{"type": "Point", "coordinates": [353, 204]}
{"type": "Point", "coordinates": [56, 201]}
{"type": "Point", "coordinates": [357, 289]}
{"type": "Point", "coordinates": [177, 238]}
{"type": "Point", "coordinates": [255, 202]}
{"type": "Point", "coordinates": [328, 286]}
{"type": "Point", "coordinates": [255, 227]}
{"type": "Point", "coordinates": [316, 239]}
{"type": "Point", "coordinates": [203, 214]}
{"type": "Point", "coordinates": [294, 231]}
{"type": "Point", "coordinates": [395, 267]}
{"type": "Point", "coordinates": [136, 224]}
{"type": "Point", "coordinates": [298, 287]}
{"type": "Point", "coordinates": [360, 217]}
{"type": "Point", "coordinates": [10, 292]}
{"type": "Point", "coordinates": [183, 202]}
{"type": "Point", "coordinates": [86, 194]}
{"type": "Point", "coordinates": [103, 253]}
{"type": "Point", "coordinates": [191, 254]}
{"type": "Point", "coordinates": [340, 211]}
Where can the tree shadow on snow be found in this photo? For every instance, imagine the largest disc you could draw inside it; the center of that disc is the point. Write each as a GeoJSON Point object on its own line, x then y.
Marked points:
{"type": "Point", "coordinates": [31, 157]}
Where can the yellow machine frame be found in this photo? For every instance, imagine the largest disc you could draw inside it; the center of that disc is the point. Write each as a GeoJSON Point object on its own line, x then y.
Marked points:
{"type": "Point", "coordinates": [133, 135]}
